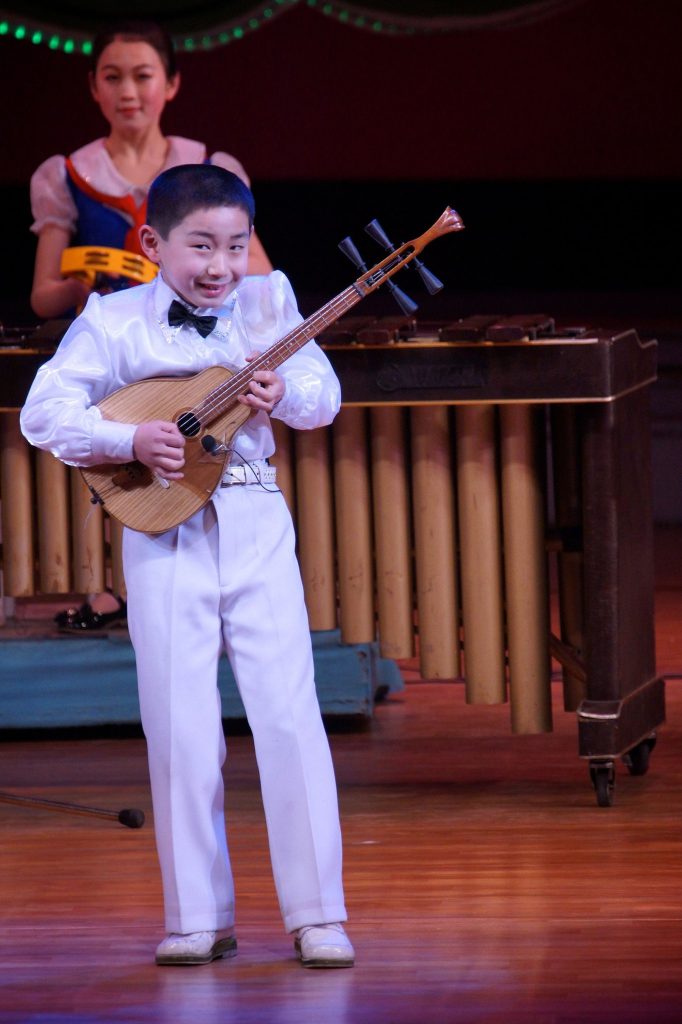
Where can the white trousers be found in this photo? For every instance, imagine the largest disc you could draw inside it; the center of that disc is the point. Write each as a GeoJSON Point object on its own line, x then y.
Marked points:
{"type": "Point", "coordinates": [229, 579]}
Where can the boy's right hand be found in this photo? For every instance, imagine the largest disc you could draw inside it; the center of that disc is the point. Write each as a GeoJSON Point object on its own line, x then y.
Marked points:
{"type": "Point", "coordinates": [160, 445]}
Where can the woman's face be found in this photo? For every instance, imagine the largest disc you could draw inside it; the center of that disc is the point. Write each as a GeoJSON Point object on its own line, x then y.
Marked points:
{"type": "Point", "coordinates": [131, 86]}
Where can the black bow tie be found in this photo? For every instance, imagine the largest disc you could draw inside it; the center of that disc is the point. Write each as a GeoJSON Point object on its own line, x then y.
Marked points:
{"type": "Point", "coordinates": [179, 315]}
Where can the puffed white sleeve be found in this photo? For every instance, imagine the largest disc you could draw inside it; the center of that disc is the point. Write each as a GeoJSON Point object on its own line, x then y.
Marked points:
{"type": "Point", "coordinates": [51, 200]}
{"type": "Point", "coordinates": [230, 163]}
{"type": "Point", "coordinates": [312, 396]}
{"type": "Point", "coordinates": [60, 414]}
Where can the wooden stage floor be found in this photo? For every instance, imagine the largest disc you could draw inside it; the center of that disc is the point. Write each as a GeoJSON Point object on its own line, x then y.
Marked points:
{"type": "Point", "coordinates": [483, 882]}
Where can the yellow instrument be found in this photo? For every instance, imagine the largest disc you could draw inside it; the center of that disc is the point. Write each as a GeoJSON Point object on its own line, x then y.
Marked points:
{"type": "Point", "coordinates": [88, 261]}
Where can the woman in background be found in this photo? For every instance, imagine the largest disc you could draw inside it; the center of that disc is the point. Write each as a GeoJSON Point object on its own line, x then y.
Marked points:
{"type": "Point", "coordinates": [98, 197]}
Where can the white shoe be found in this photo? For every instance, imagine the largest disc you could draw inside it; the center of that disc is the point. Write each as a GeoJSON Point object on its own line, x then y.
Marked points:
{"type": "Point", "coordinates": [324, 945]}
{"type": "Point", "coordinates": [195, 948]}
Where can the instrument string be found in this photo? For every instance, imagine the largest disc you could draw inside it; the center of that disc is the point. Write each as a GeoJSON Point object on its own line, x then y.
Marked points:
{"type": "Point", "coordinates": [218, 399]}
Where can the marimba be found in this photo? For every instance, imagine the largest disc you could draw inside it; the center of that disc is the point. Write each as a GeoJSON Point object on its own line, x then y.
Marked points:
{"type": "Point", "coordinates": [551, 438]}
{"type": "Point", "coordinates": [468, 460]}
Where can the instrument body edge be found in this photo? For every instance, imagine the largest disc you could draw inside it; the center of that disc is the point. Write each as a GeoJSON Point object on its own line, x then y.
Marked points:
{"type": "Point", "coordinates": [133, 494]}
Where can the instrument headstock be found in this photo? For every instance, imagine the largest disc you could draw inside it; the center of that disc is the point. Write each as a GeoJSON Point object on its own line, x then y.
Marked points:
{"type": "Point", "coordinates": [448, 221]}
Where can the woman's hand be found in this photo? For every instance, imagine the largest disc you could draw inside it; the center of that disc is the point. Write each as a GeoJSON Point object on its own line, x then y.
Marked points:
{"type": "Point", "coordinates": [53, 295]}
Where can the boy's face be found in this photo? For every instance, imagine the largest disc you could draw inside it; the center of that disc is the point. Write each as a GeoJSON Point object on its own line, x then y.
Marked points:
{"type": "Point", "coordinates": [205, 256]}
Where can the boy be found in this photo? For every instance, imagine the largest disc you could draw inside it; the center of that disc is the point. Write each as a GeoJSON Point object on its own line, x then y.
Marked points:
{"type": "Point", "coordinates": [225, 579]}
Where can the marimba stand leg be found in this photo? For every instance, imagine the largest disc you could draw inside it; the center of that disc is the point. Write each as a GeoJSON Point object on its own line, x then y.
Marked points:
{"type": "Point", "coordinates": [625, 698]}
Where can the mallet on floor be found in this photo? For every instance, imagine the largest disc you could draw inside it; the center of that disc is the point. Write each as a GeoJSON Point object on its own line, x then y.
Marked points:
{"type": "Point", "coordinates": [130, 816]}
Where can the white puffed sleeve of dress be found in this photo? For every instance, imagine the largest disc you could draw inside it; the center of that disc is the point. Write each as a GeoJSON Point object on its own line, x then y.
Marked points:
{"type": "Point", "coordinates": [51, 200]}
{"type": "Point", "coordinates": [230, 163]}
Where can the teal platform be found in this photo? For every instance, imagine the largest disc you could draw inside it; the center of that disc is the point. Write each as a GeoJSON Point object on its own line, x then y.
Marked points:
{"type": "Point", "coordinates": [68, 682]}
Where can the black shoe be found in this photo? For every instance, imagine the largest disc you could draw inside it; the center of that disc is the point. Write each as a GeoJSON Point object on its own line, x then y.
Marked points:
{"type": "Point", "coordinates": [86, 620]}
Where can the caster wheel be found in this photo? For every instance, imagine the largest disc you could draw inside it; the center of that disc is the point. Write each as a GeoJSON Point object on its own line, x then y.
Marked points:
{"type": "Point", "coordinates": [637, 759]}
{"type": "Point", "coordinates": [603, 775]}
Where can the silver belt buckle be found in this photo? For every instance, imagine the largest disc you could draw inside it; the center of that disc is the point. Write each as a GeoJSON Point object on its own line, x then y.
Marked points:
{"type": "Point", "coordinates": [248, 474]}
{"type": "Point", "coordinates": [234, 475]}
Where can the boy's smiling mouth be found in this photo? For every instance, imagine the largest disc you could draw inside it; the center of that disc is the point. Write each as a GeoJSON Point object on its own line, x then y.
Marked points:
{"type": "Point", "coordinates": [212, 286]}
{"type": "Point", "coordinates": [212, 291]}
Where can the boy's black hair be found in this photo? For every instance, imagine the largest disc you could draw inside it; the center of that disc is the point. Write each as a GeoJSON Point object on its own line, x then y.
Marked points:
{"type": "Point", "coordinates": [181, 190]}
{"type": "Point", "coordinates": [136, 31]}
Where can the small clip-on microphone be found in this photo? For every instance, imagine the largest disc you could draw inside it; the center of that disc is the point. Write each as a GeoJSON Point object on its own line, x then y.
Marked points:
{"type": "Point", "coordinates": [210, 445]}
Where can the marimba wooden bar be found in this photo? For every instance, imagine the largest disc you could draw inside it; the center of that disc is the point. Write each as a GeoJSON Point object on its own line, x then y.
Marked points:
{"type": "Point", "coordinates": [87, 539]}
{"type": "Point", "coordinates": [315, 517]}
{"type": "Point", "coordinates": [435, 544]}
{"type": "Point", "coordinates": [353, 513]}
{"type": "Point", "coordinates": [392, 542]}
{"type": "Point", "coordinates": [480, 555]}
{"type": "Point", "coordinates": [17, 502]}
{"type": "Point", "coordinates": [525, 569]}
{"type": "Point", "coordinates": [53, 530]}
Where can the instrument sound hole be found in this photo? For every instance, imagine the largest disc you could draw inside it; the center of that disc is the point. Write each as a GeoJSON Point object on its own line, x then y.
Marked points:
{"type": "Point", "coordinates": [188, 424]}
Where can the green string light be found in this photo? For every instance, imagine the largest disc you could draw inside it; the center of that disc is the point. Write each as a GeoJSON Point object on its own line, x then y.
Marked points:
{"type": "Point", "coordinates": [40, 34]}
{"type": "Point", "coordinates": [347, 17]}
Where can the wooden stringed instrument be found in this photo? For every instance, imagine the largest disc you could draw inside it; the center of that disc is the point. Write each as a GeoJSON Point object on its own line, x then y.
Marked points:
{"type": "Point", "coordinates": [205, 408]}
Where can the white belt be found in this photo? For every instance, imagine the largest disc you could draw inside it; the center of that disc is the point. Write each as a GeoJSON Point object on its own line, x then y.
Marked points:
{"type": "Point", "coordinates": [257, 472]}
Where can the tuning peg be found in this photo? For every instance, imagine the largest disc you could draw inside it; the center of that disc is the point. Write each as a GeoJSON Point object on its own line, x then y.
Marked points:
{"type": "Point", "coordinates": [347, 247]}
{"type": "Point", "coordinates": [375, 231]}
{"type": "Point", "coordinates": [431, 282]}
{"type": "Point", "coordinates": [404, 301]}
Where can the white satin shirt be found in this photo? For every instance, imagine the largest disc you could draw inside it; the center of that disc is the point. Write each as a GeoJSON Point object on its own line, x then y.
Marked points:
{"type": "Point", "coordinates": [125, 337]}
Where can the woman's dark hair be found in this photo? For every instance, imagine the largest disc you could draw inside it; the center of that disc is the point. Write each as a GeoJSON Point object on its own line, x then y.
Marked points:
{"type": "Point", "coordinates": [137, 32]}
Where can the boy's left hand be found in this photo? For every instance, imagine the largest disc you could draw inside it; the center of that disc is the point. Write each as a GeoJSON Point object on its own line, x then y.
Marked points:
{"type": "Point", "coordinates": [265, 390]}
